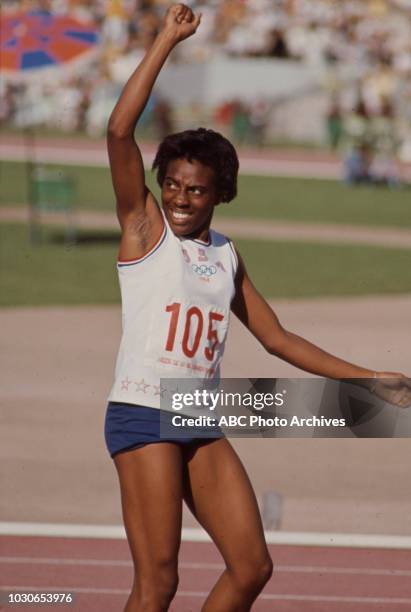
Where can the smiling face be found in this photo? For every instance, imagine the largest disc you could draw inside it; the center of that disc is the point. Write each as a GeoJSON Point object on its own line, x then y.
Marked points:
{"type": "Point", "coordinates": [189, 195]}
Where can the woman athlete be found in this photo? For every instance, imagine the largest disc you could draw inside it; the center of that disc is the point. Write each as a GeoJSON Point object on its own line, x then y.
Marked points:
{"type": "Point", "coordinates": [179, 280]}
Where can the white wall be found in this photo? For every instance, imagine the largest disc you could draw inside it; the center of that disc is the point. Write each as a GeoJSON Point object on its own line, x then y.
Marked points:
{"type": "Point", "coordinates": [226, 78]}
{"type": "Point", "coordinates": [294, 89]}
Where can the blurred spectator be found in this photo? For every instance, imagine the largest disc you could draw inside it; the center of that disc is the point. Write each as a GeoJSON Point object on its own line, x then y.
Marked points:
{"type": "Point", "coordinates": [258, 117]}
{"type": "Point", "coordinates": [277, 46]}
{"type": "Point", "coordinates": [223, 115]}
{"type": "Point", "coordinates": [374, 145]}
{"type": "Point", "coordinates": [357, 125]}
{"type": "Point", "coordinates": [357, 131]}
{"type": "Point", "coordinates": [240, 123]}
{"type": "Point", "coordinates": [7, 103]}
{"type": "Point", "coordinates": [335, 124]}
{"type": "Point", "coordinates": [103, 94]}
{"type": "Point", "coordinates": [147, 26]}
{"type": "Point", "coordinates": [115, 29]}
{"type": "Point", "coordinates": [358, 165]}
{"type": "Point", "coordinates": [66, 106]}
{"type": "Point", "coordinates": [385, 168]}
{"type": "Point", "coordinates": [229, 13]}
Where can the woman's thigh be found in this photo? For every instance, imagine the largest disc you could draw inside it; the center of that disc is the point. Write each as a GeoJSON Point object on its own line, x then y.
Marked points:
{"type": "Point", "coordinates": [151, 495]}
{"type": "Point", "coordinates": [220, 495]}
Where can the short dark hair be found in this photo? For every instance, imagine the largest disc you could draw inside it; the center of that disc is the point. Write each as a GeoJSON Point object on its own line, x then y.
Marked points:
{"type": "Point", "coordinates": [209, 148]}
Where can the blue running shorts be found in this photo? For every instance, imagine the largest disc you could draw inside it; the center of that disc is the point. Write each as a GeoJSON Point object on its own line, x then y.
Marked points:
{"type": "Point", "coordinates": [128, 427]}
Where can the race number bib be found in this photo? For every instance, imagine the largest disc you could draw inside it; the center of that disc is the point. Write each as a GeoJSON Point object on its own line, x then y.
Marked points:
{"type": "Point", "coordinates": [187, 339]}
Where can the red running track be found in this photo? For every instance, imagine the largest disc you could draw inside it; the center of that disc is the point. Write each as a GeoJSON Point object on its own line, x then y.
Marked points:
{"type": "Point", "coordinates": [306, 579]}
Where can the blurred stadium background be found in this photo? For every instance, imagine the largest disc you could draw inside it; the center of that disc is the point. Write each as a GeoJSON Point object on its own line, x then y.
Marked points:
{"type": "Point", "coordinates": [315, 70]}
{"type": "Point", "coordinates": [317, 96]}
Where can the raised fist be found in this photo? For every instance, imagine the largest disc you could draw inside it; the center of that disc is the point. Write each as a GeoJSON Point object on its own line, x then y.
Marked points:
{"type": "Point", "coordinates": [181, 22]}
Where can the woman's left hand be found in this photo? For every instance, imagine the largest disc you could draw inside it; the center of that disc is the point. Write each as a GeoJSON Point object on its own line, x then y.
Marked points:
{"type": "Point", "coordinates": [393, 387]}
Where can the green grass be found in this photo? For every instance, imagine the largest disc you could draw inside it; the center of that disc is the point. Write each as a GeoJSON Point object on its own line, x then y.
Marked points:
{"type": "Point", "coordinates": [299, 269]}
{"type": "Point", "coordinates": [307, 200]}
{"type": "Point", "coordinates": [53, 273]}
{"type": "Point", "coordinates": [42, 131]}
{"type": "Point", "coordinates": [273, 198]}
{"type": "Point", "coordinates": [94, 189]}
{"type": "Point", "coordinates": [85, 274]}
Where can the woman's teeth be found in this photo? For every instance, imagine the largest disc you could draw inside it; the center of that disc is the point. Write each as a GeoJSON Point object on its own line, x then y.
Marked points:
{"type": "Point", "coordinates": [179, 215]}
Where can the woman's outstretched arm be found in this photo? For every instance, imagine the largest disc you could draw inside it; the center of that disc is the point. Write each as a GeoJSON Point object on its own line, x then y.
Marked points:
{"type": "Point", "coordinates": [252, 310]}
{"type": "Point", "coordinates": [134, 201]}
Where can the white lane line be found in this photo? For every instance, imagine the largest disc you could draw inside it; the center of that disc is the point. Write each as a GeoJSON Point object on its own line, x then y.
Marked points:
{"type": "Point", "coordinates": [57, 561]}
{"type": "Point", "coordinates": [299, 569]}
{"type": "Point", "coordinates": [265, 596]}
{"type": "Point", "coordinates": [318, 569]}
{"type": "Point", "coordinates": [63, 530]}
{"type": "Point", "coordinates": [351, 540]}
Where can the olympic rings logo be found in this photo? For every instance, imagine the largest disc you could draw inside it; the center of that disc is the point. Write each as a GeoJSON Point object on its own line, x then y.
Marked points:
{"type": "Point", "coordinates": [204, 270]}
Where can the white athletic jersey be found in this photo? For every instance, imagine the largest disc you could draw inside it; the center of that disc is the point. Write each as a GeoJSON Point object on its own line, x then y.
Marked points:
{"type": "Point", "coordinates": [175, 314]}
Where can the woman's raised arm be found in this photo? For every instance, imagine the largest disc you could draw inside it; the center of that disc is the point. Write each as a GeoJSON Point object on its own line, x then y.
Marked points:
{"type": "Point", "coordinates": [126, 163]}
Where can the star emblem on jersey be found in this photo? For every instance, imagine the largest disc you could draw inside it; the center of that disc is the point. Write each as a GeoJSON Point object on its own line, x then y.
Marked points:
{"type": "Point", "coordinates": [125, 384]}
{"type": "Point", "coordinates": [141, 386]}
{"type": "Point", "coordinates": [159, 390]}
